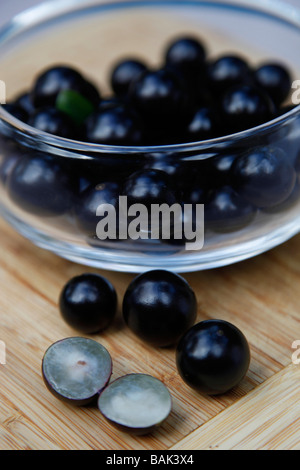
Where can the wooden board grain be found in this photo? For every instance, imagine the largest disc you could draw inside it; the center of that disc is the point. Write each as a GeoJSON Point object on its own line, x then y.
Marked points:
{"type": "Point", "coordinates": [267, 418]}
{"type": "Point", "coordinates": [260, 296]}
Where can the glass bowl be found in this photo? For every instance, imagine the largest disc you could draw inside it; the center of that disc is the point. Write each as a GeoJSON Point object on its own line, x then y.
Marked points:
{"type": "Point", "coordinates": [92, 35]}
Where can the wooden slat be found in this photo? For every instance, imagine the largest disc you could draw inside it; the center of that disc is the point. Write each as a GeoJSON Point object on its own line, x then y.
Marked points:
{"type": "Point", "coordinates": [266, 418]}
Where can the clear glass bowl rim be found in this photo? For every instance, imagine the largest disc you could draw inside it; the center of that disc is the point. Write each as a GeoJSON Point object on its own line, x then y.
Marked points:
{"type": "Point", "coordinates": [41, 13]}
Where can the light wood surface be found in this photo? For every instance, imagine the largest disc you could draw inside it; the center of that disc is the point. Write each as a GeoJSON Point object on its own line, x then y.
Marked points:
{"type": "Point", "coordinates": [260, 296]}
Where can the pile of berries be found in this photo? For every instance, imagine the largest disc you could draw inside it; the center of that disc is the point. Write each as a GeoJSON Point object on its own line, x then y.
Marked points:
{"type": "Point", "coordinates": [189, 98]}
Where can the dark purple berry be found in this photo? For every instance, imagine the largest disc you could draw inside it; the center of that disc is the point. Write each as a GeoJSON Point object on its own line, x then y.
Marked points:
{"type": "Point", "coordinates": [159, 306]}
{"type": "Point", "coordinates": [124, 74]}
{"type": "Point", "coordinates": [186, 54]}
{"type": "Point", "coordinates": [227, 211]}
{"type": "Point", "coordinates": [159, 97]}
{"type": "Point", "coordinates": [226, 72]}
{"type": "Point", "coordinates": [114, 126]}
{"type": "Point", "coordinates": [213, 357]}
{"type": "Point", "coordinates": [264, 176]}
{"type": "Point", "coordinates": [88, 303]}
{"type": "Point", "coordinates": [203, 125]}
{"type": "Point", "coordinates": [42, 185]}
{"type": "Point", "coordinates": [85, 211]}
{"type": "Point", "coordinates": [52, 81]}
{"type": "Point", "coordinates": [54, 122]}
{"type": "Point", "coordinates": [149, 187]}
{"type": "Point", "coordinates": [274, 79]}
{"type": "Point", "coordinates": [245, 107]}
{"type": "Point", "coordinates": [24, 101]}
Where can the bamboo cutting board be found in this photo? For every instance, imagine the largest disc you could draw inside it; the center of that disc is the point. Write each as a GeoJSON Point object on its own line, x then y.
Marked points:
{"type": "Point", "coordinates": [260, 296]}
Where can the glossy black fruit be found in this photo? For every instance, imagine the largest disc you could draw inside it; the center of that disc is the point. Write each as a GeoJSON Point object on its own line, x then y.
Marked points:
{"type": "Point", "coordinates": [85, 211]}
{"type": "Point", "coordinates": [288, 204]}
{"type": "Point", "coordinates": [213, 357]}
{"type": "Point", "coordinates": [221, 167]}
{"type": "Point", "coordinates": [159, 97]}
{"type": "Point", "coordinates": [198, 173]}
{"type": "Point", "coordinates": [227, 211]}
{"type": "Point", "coordinates": [76, 370]}
{"type": "Point", "coordinates": [149, 186]}
{"type": "Point", "coordinates": [136, 403]}
{"type": "Point", "coordinates": [55, 79]}
{"type": "Point", "coordinates": [195, 193]}
{"type": "Point", "coordinates": [89, 91]}
{"type": "Point", "coordinates": [51, 81]}
{"type": "Point", "coordinates": [204, 124]}
{"type": "Point", "coordinates": [159, 306]}
{"type": "Point", "coordinates": [186, 54]}
{"type": "Point", "coordinates": [244, 107]}
{"type": "Point", "coordinates": [275, 79]}
{"type": "Point", "coordinates": [171, 165]}
{"type": "Point", "coordinates": [88, 303]}
{"type": "Point", "coordinates": [41, 185]}
{"type": "Point", "coordinates": [113, 126]}
{"type": "Point", "coordinates": [227, 72]}
{"type": "Point", "coordinates": [264, 176]}
{"type": "Point", "coordinates": [124, 73]}
{"type": "Point", "coordinates": [24, 101]}
{"type": "Point", "coordinates": [7, 165]}
{"type": "Point", "coordinates": [54, 122]}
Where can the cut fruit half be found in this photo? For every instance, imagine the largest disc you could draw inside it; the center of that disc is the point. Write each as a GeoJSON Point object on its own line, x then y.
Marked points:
{"type": "Point", "coordinates": [136, 403]}
{"type": "Point", "coordinates": [76, 369]}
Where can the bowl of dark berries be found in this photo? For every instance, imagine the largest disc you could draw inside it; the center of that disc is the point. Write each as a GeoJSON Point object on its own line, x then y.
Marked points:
{"type": "Point", "coordinates": [155, 134]}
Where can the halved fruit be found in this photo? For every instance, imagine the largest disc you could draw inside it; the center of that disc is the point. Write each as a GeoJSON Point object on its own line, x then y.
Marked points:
{"type": "Point", "coordinates": [76, 369]}
{"type": "Point", "coordinates": [136, 403]}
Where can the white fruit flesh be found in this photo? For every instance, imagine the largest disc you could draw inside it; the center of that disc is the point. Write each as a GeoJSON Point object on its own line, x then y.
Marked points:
{"type": "Point", "coordinates": [136, 401]}
{"type": "Point", "coordinates": [77, 368]}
